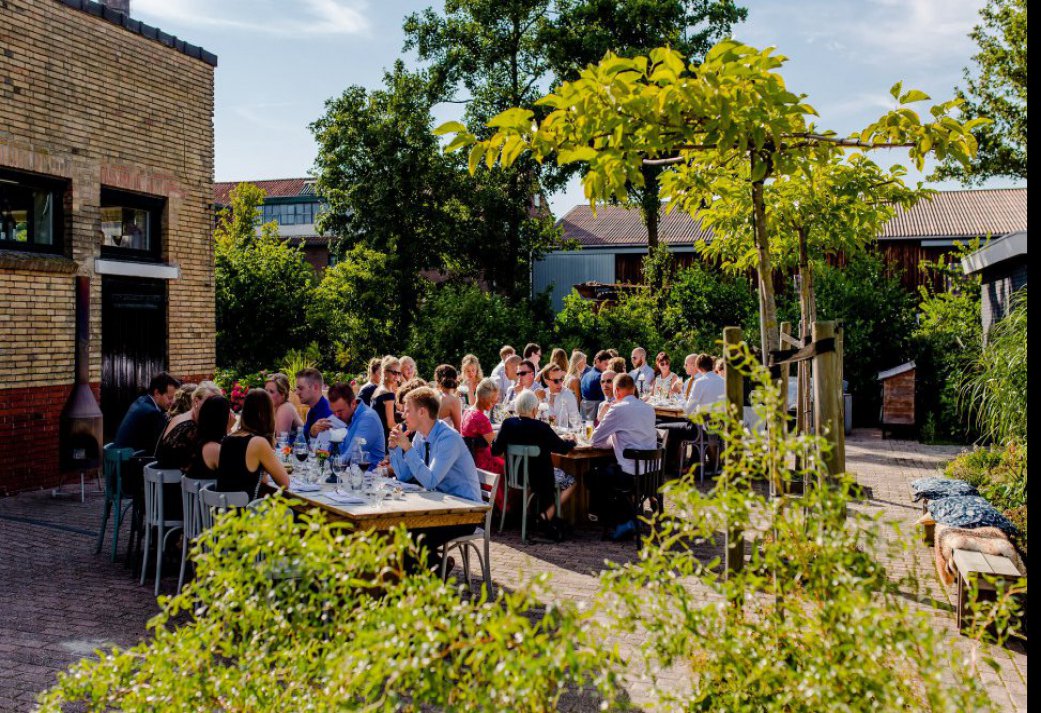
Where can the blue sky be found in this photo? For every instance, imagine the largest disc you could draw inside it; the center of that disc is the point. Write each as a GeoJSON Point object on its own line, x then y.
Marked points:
{"type": "Point", "coordinates": [279, 60]}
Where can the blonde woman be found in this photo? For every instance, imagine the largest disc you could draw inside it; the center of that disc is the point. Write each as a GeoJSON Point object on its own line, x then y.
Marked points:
{"type": "Point", "coordinates": [559, 357]}
{"type": "Point", "coordinates": [287, 418]}
{"type": "Point", "coordinates": [575, 369]}
{"type": "Point", "coordinates": [182, 400]}
{"type": "Point", "coordinates": [383, 398]}
{"type": "Point", "coordinates": [408, 368]}
{"type": "Point", "coordinates": [471, 376]}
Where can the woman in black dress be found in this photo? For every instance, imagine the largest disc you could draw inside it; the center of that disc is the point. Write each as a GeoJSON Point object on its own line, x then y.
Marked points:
{"type": "Point", "coordinates": [250, 450]}
{"type": "Point", "coordinates": [210, 431]}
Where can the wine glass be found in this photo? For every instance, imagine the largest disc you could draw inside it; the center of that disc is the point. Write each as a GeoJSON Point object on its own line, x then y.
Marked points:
{"type": "Point", "coordinates": [338, 464]}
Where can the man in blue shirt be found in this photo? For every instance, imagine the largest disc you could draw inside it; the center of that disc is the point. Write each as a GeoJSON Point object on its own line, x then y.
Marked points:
{"type": "Point", "coordinates": [309, 385]}
{"type": "Point", "coordinates": [438, 459]}
{"type": "Point", "coordinates": [362, 422]}
{"type": "Point", "coordinates": [592, 392]}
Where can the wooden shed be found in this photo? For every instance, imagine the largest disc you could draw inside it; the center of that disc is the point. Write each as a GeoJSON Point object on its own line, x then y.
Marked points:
{"type": "Point", "coordinates": [898, 397]}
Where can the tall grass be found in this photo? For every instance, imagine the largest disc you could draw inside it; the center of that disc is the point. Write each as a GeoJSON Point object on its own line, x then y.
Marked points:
{"type": "Point", "coordinates": [993, 392]}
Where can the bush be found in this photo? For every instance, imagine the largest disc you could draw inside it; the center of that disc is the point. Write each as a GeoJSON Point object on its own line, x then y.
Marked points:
{"type": "Point", "coordinates": [262, 287]}
{"type": "Point", "coordinates": [878, 319]}
{"type": "Point", "coordinates": [454, 320]}
{"type": "Point", "coordinates": [1000, 474]}
{"type": "Point", "coordinates": [701, 302]}
{"type": "Point", "coordinates": [589, 326]}
{"type": "Point", "coordinates": [353, 314]}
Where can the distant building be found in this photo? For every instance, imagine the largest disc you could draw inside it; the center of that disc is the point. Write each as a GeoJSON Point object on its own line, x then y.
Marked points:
{"type": "Point", "coordinates": [294, 205]}
{"type": "Point", "coordinates": [614, 241]}
{"type": "Point", "coordinates": [106, 253]}
{"type": "Point", "coordinates": [1002, 267]}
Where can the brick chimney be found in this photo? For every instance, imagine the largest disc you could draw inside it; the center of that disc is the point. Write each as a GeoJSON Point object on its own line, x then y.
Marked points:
{"type": "Point", "coordinates": [122, 6]}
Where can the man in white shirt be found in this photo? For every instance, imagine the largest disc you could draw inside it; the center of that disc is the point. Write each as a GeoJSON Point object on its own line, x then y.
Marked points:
{"type": "Point", "coordinates": [689, 366]}
{"type": "Point", "coordinates": [525, 373]}
{"type": "Point", "coordinates": [709, 387]}
{"type": "Point", "coordinates": [507, 376]}
{"type": "Point", "coordinates": [563, 406]}
{"type": "Point", "coordinates": [640, 366]}
{"type": "Point", "coordinates": [505, 353]}
{"type": "Point", "coordinates": [628, 424]}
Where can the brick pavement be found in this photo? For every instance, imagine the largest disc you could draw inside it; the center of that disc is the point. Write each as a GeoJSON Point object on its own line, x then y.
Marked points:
{"type": "Point", "coordinates": [59, 601]}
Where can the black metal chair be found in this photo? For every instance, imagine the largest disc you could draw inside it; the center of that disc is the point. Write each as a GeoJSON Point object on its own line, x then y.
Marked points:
{"type": "Point", "coordinates": [648, 481]}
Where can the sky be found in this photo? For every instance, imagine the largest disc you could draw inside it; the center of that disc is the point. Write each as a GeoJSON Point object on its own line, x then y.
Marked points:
{"type": "Point", "coordinates": [280, 60]}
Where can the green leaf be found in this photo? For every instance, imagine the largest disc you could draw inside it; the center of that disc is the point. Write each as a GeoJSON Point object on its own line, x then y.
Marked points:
{"type": "Point", "coordinates": [449, 127]}
{"type": "Point", "coordinates": [580, 153]}
{"type": "Point", "coordinates": [476, 153]}
{"type": "Point", "coordinates": [459, 142]}
{"type": "Point", "coordinates": [913, 95]}
{"type": "Point", "coordinates": [895, 90]}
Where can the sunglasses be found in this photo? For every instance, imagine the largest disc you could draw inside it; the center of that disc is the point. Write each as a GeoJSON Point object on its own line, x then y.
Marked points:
{"type": "Point", "coordinates": [524, 373]}
{"type": "Point", "coordinates": [554, 381]}
{"type": "Point", "coordinates": [392, 371]}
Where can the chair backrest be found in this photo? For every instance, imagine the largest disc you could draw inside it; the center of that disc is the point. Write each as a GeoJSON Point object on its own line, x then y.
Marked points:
{"type": "Point", "coordinates": [155, 478]}
{"type": "Point", "coordinates": [113, 464]}
{"type": "Point", "coordinates": [211, 500]}
{"type": "Point", "coordinates": [489, 485]}
{"type": "Point", "coordinates": [190, 500]}
{"type": "Point", "coordinates": [663, 438]}
{"type": "Point", "coordinates": [517, 457]}
{"type": "Point", "coordinates": [650, 470]}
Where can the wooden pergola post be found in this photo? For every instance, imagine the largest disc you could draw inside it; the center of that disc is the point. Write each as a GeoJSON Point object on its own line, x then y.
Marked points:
{"type": "Point", "coordinates": [734, 554]}
{"type": "Point", "coordinates": [828, 406]}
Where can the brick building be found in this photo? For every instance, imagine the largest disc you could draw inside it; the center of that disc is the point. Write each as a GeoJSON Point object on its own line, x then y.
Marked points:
{"type": "Point", "coordinates": [106, 175]}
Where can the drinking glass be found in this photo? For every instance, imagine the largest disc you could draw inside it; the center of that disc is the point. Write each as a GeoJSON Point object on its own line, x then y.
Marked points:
{"type": "Point", "coordinates": [338, 463]}
{"type": "Point", "coordinates": [357, 477]}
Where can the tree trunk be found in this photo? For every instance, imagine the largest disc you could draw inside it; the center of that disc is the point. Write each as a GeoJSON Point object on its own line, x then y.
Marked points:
{"type": "Point", "coordinates": [768, 334]}
{"type": "Point", "coordinates": [650, 204]}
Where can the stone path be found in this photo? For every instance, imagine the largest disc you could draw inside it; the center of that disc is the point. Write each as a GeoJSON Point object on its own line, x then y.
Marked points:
{"type": "Point", "coordinates": [58, 601]}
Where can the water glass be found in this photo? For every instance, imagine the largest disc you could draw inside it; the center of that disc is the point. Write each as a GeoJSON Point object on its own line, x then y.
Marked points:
{"type": "Point", "coordinates": [357, 478]}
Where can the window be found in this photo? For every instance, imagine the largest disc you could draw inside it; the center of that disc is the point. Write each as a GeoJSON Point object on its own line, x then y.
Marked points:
{"type": "Point", "coordinates": [131, 225]}
{"type": "Point", "coordinates": [290, 213]}
{"type": "Point", "coordinates": [31, 212]}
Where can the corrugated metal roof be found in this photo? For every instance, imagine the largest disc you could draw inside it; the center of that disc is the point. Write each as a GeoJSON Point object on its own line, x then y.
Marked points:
{"type": "Point", "coordinates": [950, 214]}
{"type": "Point", "coordinates": [274, 188]}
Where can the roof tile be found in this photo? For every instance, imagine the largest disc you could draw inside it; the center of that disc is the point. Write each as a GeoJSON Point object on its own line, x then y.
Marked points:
{"type": "Point", "coordinates": [274, 188]}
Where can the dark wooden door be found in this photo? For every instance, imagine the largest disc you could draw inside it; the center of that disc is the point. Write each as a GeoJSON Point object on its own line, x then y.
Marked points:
{"type": "Point", "coordinates": [133, 342]}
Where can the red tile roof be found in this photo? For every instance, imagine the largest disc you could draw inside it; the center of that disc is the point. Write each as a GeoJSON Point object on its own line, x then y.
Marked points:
{"type": "Point", "coordinates": [950, 214]}
{"type": "Point", "coordinates": [275, 188]}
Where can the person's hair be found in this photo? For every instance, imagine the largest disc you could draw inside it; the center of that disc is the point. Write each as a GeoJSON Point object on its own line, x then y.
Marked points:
{"type": "Point", "coordinates": [411, 385]}
{"type": "Point", "coordinates": [641, 350]}
{"type": "Point", "coordinates": [530, 349]}
{"type": "Point", "coordinates": [612, 351]}
{"type": "Point", "coordinates": [425, 398]}
{"type": "Point", "coordinates": [204, 391]}
{"type": "Point", "coordinates": [408, 360]}
{"type": "Point", "coordinates": [212, 425]}
{"type": "Point", "coordinates": [375, 366]}
{"type": "Point", "coordinates": [161, 382]}
{"type": "Point", "coordinates": [526, 402]}
{"type": "Point", "coordinates": [312, 375]}
{"type": "Point", "coordinates": [506, 351]}
{"type": "Point", "coordinates": [550, 368]}
{"type": "Point", "coordinates": [625, 382]}
{"type": "Point", "coordinates": [513, 358]}
{"type": "Point", "coordinates": [388, 361]}
{"type": "Point", "coordinates": [340, 390]}
{"type": "Point", "coordinates": [467, 361]}
{"type": "Point", "coordinates": [706, 362]}
{"type": "Point", "coordinates": [487, 387]}
{"type": "Point", "coordinates": [559, 357]}
{"type": "Point", "coordinates": [258, 414]}
{"type": "Point", "coordinates": [528, 364]}
{"type": "Point", "coordinates": [281, 382]}
{"type": "Point", "coordinates": [617, 364]}
{"type": "Point", "coordinates": [692, 357]}
{"type": "Point", "coordinates": [577, 358]}
{"type": "Point", "coordinates": [446, 376]}
{"type": "Point", "coordinates": [182, 399]}
{"type": "Point", "coordinates": [602, 355]}
{"type": "Point", "coordinates": [720, 364]}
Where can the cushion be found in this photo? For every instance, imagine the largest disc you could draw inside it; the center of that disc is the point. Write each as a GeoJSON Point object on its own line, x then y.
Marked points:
{"type": "Point", "coordinates": [968, 511]}
{"type": "Point", "coordinates": [937, 488]}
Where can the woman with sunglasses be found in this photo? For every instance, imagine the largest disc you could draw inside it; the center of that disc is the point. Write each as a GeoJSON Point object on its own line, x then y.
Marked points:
{"type": "Point", "coordinates": [383, 398]}
{"type": "Point", "coordinates": [666, 383]}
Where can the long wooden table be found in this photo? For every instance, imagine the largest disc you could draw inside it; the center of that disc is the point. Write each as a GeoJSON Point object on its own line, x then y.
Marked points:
{"type": "Point", "coordinates": [418, 509]}
{"type": "Point", "coordinates": [578, 463]}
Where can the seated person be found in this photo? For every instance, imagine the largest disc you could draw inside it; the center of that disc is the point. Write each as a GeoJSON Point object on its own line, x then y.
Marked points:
{"type": "Point", "coordinates": [477, 428]}
{"type": "Point", "coordinates": [374, 371]}
{"type": "Point", "coordinates": [526, 430]}
{"type": "Point", "coordinates": [525, 381]}
{"type": "Point", "coordinates": [145, 420]}
{"type": "Point", "coordinates": [447, 380]}
{"type": "Point", "coordinates": [629, 424]}
{"type": "Point", "coordinates": [563, 406]}
{"type": "Point", "coordinates": [384, 397]}
{"type": "Point", "coordinates": [709, 390]}
{"type": "Point", "coordinates": [607, 384]}
{"type": "Point", "coordinates": [287, 418]}
{"type": "Point", "coordinates": [438, 460]}
{"type": "Point", "coordinates": [212, 427]}
{"type": "Point", "coordinates": [309, 385]}
{"type": "Point", "coordinates": [361, 422]}
{"type": "Point", "coordinates": [250, 450]}
{"type": "Point", "coordinates": [508, 375]}
{"type": "Point", "coordinates": [666, 382]}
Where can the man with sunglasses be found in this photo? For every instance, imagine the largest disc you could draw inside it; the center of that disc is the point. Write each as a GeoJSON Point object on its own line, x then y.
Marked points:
{"type": "Point", "coordinates": [563, 406]}
{"type": "Point", "coordinates": [525, 380]}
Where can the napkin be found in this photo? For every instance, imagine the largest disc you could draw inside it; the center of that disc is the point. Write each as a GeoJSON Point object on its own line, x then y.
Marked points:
{"type": "Point", "coordinates": [323, 439]}
{"type": "Point", "coordinates": [345, 498]}
{"type": "Point", "coordinates": [296, 485]}
{"type": "Point", "coordinates": [410, 487]}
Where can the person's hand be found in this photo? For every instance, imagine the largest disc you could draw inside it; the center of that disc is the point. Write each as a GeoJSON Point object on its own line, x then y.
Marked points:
{"type": "Point", "coordinates": [322, 424]}
{"type": "Point", "coordinates": [399, 439]}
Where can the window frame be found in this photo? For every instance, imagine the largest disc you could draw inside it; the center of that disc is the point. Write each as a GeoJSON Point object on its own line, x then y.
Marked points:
{"type": "Point", "coordinates": [58, 188]}
{"type": "Point", "coordinates": [155, 206]}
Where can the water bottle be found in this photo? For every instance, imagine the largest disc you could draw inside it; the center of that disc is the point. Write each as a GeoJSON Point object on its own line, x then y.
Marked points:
{"type": "Point", "coordinates": [641, 383]}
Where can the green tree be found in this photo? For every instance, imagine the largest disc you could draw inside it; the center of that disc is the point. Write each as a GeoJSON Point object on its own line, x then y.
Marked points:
{"type": "Point", "coordinates": [389, 187]}
{"type": "Point", "coordinates": [727, 117]}
{"type": "Point", "coordinates": [702, 301]}
{"type": "Point", "coordinates": [352, 311]}
{"type": "Point", "coordinates": [262, 284]}
{"type": "Point", "coordinates": [997, 89]}
{"type": "Point", "coordinates": [589, 326]}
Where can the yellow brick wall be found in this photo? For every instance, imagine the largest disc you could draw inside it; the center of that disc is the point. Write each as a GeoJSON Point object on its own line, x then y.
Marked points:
{"type": "Point", "coordinates": [89, 101]}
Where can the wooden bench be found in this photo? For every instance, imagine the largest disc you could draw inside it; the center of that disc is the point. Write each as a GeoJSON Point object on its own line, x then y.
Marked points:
{"type": "Point", "coordinates": [971, 564]}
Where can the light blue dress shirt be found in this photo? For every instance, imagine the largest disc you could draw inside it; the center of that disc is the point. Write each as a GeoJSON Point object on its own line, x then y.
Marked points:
{"type": "Point", "coordinates": [366, 424]}
{"type": "Point", "coordinates": [451, 468]}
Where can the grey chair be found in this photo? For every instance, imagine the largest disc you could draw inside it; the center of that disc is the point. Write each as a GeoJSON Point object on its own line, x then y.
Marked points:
{"type": "Point", "coordinates": [699, 447]}
{"type": "Point", "coordinates": [154, 480]}
{"type": "Point", "coordinates": [517, 461]}
{"type": "Point", "coordinates": [211, 501]}
{"type": "Point", "coordinates": [192, 518]}
{"type": "Point", "coordinates": [480, 538]}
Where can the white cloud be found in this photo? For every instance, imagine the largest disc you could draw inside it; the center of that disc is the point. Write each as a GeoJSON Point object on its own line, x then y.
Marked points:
{"type": "Point", "coordinates": [295, 18]}
{"type": "Point", "coordinates": [931, 32]}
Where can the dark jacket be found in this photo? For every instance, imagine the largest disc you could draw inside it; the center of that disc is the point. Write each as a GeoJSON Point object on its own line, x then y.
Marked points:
{"type": "Point", "coordinates": [519, 431]}
{"type": "Point", "coordinates": [142, 426]}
